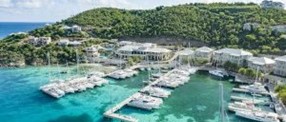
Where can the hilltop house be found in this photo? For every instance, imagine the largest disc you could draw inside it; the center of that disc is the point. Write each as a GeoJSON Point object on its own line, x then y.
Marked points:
{"type": "Point", "coordinates": [91, 53]}
{"type": "Point", "coordinates": [271, 4]}
{"type": "Point", "coordinates": [204, 53]}
{"type": "Point", "coordinates": [263, 64]}
{"type": "Point", "coordinates": [280, 66]}
{"type": "Point", "coordinates": [73, 29]}
{"type": "Point", "coordinates": [236, 56]}
{"type": "Point", "coordinates": [147, 51]}
{"type": "Point", "coordinates": [39, 41]}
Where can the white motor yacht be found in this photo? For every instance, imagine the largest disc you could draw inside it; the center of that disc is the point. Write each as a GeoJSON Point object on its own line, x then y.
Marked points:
{"type": "Point", "coordinates": [259, 116]}
{"type": "Point", "coordinates": [217, 73]}
{"type": "Point", "coordinates": [156, 92]}
{"type": "Point", "coordinates": [242, 106]}
{"type": "Point", "coordinates": [254, 88]}
{"type": "Point", "coordinates": [145, 102]}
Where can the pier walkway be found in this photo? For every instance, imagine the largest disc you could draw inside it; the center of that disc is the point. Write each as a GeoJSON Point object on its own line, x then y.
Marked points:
{"type": "Point", "coordinates": [111, 112]}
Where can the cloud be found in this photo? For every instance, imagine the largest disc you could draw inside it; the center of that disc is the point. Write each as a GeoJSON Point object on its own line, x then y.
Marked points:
{"type": "Point", "coordinates": [29, 3]}
{"type": "Point", "coordinates": [5, 3]}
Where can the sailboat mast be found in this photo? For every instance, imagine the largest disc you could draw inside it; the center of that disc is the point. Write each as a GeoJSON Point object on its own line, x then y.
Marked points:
{"type": "Point", "coordinates": [222, 117]}
{"type": "Point", "coordinates": [49, 64]}
{"type": "Point", "coordinates": [77, 62]}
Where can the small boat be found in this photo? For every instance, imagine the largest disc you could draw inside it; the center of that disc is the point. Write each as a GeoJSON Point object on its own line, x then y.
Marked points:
{"type": "Point", "coordinates": [260, 116]}
{"type": "Point", "coordinates": [156, 92]}
{"type": "Point", "coordinates": [217, 73]}
{"type": "Point", "coordinates": [145, 102]}
{"type": "Point", "coordinates": [242, 106]}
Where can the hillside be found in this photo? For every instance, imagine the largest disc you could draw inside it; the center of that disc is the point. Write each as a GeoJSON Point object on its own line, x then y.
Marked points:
{"type": "Point", "coordinates": [217, 24]}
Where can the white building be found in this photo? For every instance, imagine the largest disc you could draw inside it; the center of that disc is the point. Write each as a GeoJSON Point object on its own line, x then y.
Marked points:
{"type": "Point", "coordinates": [74, 28]}
{"type": "Point", "coordinates": [204, 53]}
{"type": "Point", "coordinates": [186, 53]}
{"type": "Point", "coordinates": [91, 53]}
{"type": "Point", "coordinates": [147, 51]}
{"type": "Point", "coordinates": [39, 41]}
{"type": "Point", "coordinates": [236, 56]}
{"type": "Point", "coordinates": [279, 28]}
{"type": "Point", "coordinates": [280, 66]}
{"type": "Point", "coordinates": [64, 42]}
{"type": "Point", "coordinates": [266, 65]}
{"type": "Point", "coordinates": [271, 4]}
{"type": "Point", "coordinates": [250, 26]}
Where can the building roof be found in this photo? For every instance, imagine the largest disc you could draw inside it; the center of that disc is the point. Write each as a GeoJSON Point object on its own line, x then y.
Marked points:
{"type": "Point", "coordinates": [261, 60]}
{"type": "Point", "coordinates": [144, 48]}
{"type": "Point", "coordinates": [234, 52]}
{"type": "Point", "coordinates": [186, 52]}
{"type": "Point", "coordinates": [281, 58]}
{"type": "Point", "coordinates": [204, 49]}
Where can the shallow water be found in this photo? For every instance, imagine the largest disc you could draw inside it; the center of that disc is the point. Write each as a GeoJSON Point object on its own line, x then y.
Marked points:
{"type": "Point", "coordinates": [21, 100]}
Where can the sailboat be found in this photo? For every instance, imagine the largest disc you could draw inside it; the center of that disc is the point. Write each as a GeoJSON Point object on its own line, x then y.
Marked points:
{"type": "Point", "coordinates": [223, 113]}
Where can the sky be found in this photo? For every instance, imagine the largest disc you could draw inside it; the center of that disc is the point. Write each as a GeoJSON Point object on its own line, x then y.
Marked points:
{"type": "Point", "coordinates": [56, 10]}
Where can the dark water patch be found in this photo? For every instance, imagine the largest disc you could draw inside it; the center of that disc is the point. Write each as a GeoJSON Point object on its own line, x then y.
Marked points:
{"type": "Point", "coordinates": [81, 118]}
{"type": "Point", "coordinates": [74, 103]}
{"type": "Point", "coordinates": [57, 106]}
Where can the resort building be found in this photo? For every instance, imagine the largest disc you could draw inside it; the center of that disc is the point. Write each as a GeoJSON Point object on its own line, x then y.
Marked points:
{"type": "Point", "coordinates": [146, 51]}
{"type": "Point", "coordinates": [39, 41]}
{"type": "Point", "coordinates": [271, 4]}
{"type": "Point", "coordinates": [91, 53]}
{"type": "Point", "coordinates": [236, 56]}
{"type": "Point", "coordinates": [280, 66]}
{"type": "Point", "coordinates": [123, 43]}
{"type": "Point", "coordinates": [263, 64]}
{"type": "Point", "coordinates": [186, 53]}
{"type": "Point", "coordinates": [204, 53]}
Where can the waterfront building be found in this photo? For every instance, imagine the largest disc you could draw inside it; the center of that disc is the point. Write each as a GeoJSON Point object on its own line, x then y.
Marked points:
{"type": "Point", "coordinates": [39, 41]}
{"type": "Point", "coordinates": [186, 53]}
{"type": "Point", "coordinates": [280, 66]}
{"type": "Point", "coordinates": [271, 4]}
{"type": "Point", "coordinates": [91, 53]}
{"type": "Point", "coordinates": [204, 53]}
{"type": "Point", "coordinates": [147, 51]}
{"type": "Point", "coordinates": [237, 56]}
{"type": "Point", "coordinates": [123, 43]}
{"type": "Point", "coordinates": [265, 65]}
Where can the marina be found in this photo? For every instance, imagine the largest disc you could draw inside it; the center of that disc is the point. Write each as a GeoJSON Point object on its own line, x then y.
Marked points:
{"type": "Point", "coordinates": [130, 101]}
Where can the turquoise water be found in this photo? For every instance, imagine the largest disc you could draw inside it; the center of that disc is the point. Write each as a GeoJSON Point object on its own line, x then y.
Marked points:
{"type": "Point", "coordinates": [21, 100]}
{"type": "Point", "coordinates": [7, 28]}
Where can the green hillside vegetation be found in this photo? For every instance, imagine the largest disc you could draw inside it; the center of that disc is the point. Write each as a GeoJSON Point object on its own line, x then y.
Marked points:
{"type": "Point", "coordinates": [218, 25]}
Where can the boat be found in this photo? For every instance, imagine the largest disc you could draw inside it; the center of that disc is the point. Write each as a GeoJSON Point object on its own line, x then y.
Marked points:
{"type": "Point", "coordinates": [217, 73]}
{"type": "Point", "coordinates": [260, 116]}
{"type": "Point", "coordinates": [156, 92]}
{"type": "Point", "coordinates": [145, 102]}
{"type": "Point", "coordinates": [242, 106]}
{"type": "Point", "coordinates": [255, 88]}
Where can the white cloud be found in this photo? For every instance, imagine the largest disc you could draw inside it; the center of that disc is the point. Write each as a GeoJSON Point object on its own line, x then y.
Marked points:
{"type": "Point", "coordinates": [5, 3]}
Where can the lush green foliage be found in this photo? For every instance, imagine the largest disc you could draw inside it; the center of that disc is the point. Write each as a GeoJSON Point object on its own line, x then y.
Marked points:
{"type": "Point", "coordinates": [217, 24]}
{"type": "Point", "coordinates": [230, 66]}
{"type": "Point", "coordinates": [250, 72]}
{"type": "Point", "coordinates": [281, 90]}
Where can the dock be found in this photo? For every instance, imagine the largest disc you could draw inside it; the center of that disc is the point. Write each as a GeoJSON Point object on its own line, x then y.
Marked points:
{"type": "Point", "coordinates": [111, 112]}
{"type": "Point", "coordinates": [247, 91]}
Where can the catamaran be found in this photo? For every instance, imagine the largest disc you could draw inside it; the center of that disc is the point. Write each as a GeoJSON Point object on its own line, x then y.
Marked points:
{"type": "Point", "coordinates": [145, 102]}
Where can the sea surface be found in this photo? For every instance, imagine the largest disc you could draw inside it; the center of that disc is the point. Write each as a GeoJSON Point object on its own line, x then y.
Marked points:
{"type": "Point", "coordinates": [7, 28]}
{"type": "Point", "coordinates": [22, 101]}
